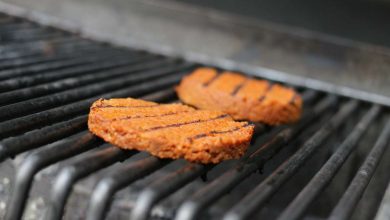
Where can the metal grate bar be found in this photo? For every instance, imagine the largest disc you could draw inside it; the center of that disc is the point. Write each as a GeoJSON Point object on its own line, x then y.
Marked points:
{"type": "Point", "coordinates": [69, 83]}
{"type": "Point", "coordinates": [35, 79]}
{"type": "Point", "coordinates": [352, 195]}
{"type": "Point", "coordinates": [81, 168]}
{"type": "Point", "coordinates": [257, 197]}
{"type": "Point", "coordinates": [16, 50]}
{"type": "Point", "coordinates": [39, 45]}
{"type": "Point", "coordinates": [163, 95]}
{"type": "Point", "coordinates": [9, 147]}
{"type": "Point", "coordinates": [152, 194]}
{"type": "Point", "coordinates": [191, 208]}
{"type": "Point", "coordinates": [302, 201]}
{"type": "Point", "coordinates": [6, 20]}
{"type": "Point", "coordinates": [21, 33]}
{"type": "Point", "coordinates": [10, 50]}
{"type": "Point", "coordinates": [38, 68]}
{"type": "Point", "coordinates": [41, 118]}
{"type": "Point", "coordinates": [50, 56]}
{"type": "Point", "coordinates": [15, 26]}
{"type": "Point", "coordinates": [37, 161]}
{"type": "Point", "coordinates": [309, 96]}
{"type": "Point", "coordinates": [36, 104]}
{"type": "Point", "coordinates": [108, 186]}
{"type": "Point", "coordinates": [53, 37]}
{"type": "Point", "coordinates": [44, 48]}
{"type": "Point", "coordinates": [14, 36]}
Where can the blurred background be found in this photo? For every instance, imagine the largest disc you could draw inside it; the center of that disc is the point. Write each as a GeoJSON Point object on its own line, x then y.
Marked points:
{"type": "Point", "coordinates": [341, 42]}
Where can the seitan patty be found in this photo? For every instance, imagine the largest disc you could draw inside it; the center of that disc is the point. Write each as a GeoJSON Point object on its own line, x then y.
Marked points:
{"type": "Point", "coordinates": [241, 97]}
{"type": "Point", "coordinates": [170, 130]}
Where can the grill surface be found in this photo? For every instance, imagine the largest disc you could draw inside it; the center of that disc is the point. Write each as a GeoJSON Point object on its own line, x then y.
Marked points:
{"type": "Point", "coordinates": [48, 80]}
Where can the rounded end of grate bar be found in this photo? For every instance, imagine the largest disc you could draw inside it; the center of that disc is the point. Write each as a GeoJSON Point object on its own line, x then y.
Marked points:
{"type": "Point", "coordinates": [188, 211]}
{"type": "Point", "coordinates": [4, 154]}
{"type": "Point", "coordinates": [144, 204]}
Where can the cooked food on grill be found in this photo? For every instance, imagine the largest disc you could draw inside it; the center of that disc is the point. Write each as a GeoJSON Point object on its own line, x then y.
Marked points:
{"type": "Point", "coordinates": [241, 97]}
{"type": "Point", "coordinates": [170, 130]}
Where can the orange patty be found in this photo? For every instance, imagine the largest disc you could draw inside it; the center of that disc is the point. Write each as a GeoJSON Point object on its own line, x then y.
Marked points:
{"type": "Point", "coordinates": [241, 97]}
{"type": "Point", "coordinates": [170, 130]}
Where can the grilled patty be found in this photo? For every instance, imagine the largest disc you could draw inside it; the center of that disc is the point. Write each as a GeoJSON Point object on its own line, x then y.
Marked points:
{"type": "Point", "coordinates": [170, 130]}
{"type": "Point", "coordinates": [241, 97]}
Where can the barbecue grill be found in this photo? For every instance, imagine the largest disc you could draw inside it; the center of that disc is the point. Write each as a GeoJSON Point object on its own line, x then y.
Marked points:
{"type": "Point", "coordinates": [331, 164]}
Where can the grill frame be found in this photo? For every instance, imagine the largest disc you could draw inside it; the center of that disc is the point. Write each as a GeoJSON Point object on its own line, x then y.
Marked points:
{"type": "Point", "coordinates": [62, 116]}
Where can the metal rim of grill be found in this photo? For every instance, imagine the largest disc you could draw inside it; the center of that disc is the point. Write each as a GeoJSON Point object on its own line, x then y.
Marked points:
{"type": "Point", "coordinates": [48, 80]}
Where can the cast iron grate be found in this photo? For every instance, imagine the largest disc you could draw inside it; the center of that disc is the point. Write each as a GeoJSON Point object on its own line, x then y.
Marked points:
{"type": "Point", "coordinates": [48, 80]}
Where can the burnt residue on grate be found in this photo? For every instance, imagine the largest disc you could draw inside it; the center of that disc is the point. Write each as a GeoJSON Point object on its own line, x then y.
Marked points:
{"type": "Point", "coordinates": [52, 166]}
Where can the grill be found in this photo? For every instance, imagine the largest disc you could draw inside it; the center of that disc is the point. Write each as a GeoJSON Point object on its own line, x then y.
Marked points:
{"type": "Point", "coordinates": [328, 165]}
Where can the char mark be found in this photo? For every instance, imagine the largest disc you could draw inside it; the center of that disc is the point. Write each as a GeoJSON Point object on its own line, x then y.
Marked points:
{"type": "Point", "coordinates": [269, 88]}
{"type": "Point", "coordinates": [218, 132]}
{"type": "Point", "coordinates": [212, 79]}
{"type": "Point", "coordinates": [145, 116]}
{"type": "Point", "coordinates": [186, 123]}
{"type": "Point", "coordinates": [238, 87]}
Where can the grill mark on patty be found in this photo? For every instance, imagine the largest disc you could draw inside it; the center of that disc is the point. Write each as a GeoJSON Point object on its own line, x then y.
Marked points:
{"type": "Point", "coordinates": [269, 88]}
{"type": "Point", "coordinates": [238, 87]}
{"type": "Point", "coordinates": [186, 123]}
{"type": "Point", "coordinates": [124, 106]}
{"type": "Point", "coordinates": [212, 79]}
{"type": "Point", "coordinates": [144, 116]}
{"type": "Point", "coordinates": [217, 132]}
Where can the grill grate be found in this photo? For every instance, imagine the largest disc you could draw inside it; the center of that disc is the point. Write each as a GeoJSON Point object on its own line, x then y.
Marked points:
{"type": "Point", "coordinates": [48, 80]}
